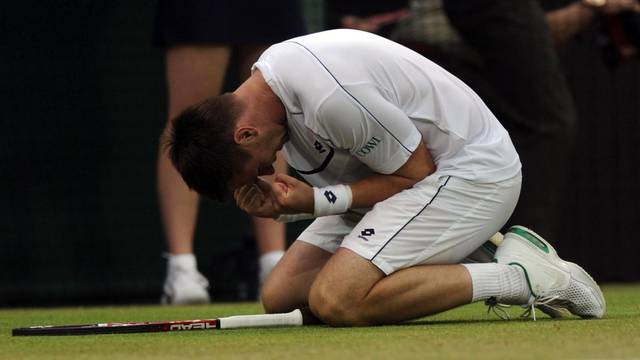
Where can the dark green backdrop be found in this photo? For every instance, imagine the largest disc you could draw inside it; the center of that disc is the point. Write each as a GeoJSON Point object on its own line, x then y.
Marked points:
{"type": "Point", "coordinates": [82, 107]}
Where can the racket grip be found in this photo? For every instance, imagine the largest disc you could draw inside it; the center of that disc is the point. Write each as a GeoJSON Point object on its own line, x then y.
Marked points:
{"type": "Point", "coordinates": [293, 318]}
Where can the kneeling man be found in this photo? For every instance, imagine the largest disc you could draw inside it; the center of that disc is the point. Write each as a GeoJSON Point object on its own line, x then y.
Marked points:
{"type": "Point", "coordinates": [410, 174]}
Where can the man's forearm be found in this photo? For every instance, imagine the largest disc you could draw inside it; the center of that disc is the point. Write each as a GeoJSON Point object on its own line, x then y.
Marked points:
{"type": "Point", "coordinates": [375, 188]}
{"type": "Point", "coordinates": [291, 196]}
{"type": "Point", "coordinates": [378, 187]}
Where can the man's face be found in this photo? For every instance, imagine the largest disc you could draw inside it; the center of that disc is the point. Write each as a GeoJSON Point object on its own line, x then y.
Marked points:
{"type": "Point", "coordinates": [262, 155]}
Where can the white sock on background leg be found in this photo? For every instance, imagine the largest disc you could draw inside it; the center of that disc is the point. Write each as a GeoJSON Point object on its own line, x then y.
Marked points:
{"type": "Point", "coordinates": [267, 262]}
{"type": "Point", "coordinates": [182, 261]}
{"type": "Point", "coordinates": [505, 282]}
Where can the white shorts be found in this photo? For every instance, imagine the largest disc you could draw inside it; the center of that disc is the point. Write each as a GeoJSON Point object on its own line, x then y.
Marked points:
{"type": "Point", "coordinates": [440, 220]}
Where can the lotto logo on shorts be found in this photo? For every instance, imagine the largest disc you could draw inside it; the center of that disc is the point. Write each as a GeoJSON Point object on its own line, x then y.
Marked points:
{"type": "Point", "coordinates": [330, 196]}
{"type": "Point", "coordinates": [366, 232]}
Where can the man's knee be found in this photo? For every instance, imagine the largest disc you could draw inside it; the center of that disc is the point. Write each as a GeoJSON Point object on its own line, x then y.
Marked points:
{"type": "Point", "coordinates": [274, 298]}
{"type": "Point", "coordinates": [336, 309]}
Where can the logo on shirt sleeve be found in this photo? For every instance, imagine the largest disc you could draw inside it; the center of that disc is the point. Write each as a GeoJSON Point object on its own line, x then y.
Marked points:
{"type": "Point", "coordinates": [369, 146]}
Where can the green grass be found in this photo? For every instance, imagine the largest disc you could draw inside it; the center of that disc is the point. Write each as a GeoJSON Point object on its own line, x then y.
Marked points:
{"type": "Point", "coordinates": [464, 333]}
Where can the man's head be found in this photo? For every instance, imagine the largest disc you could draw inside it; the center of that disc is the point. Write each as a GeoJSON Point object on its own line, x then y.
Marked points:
{"type": "Point", "coordinates": [223, 143]}
{"type": "Point", "coordinates": [201, 145]}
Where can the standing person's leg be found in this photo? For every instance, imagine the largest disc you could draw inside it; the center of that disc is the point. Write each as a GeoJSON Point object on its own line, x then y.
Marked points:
{"type": "Point", "coordinates": [270, 235]}
{"type": "Point", "coordinates": [193, 73]}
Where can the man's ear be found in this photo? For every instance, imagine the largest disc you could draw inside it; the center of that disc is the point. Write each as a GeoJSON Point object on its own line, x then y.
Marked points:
{"type": "Point", "coordinates": [245, 135]}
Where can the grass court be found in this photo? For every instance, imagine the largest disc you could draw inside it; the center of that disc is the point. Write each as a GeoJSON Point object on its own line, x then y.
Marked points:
{"type": "Point", "coordinates": [464, 333]}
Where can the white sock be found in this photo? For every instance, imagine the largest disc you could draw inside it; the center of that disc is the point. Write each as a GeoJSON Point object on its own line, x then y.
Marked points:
{"type": "Point", "coordinates": [506, 282]}
{"type": "Point", "coordinates": [185, 262]}
{"type": "Point", "coordinates": [267, 262]}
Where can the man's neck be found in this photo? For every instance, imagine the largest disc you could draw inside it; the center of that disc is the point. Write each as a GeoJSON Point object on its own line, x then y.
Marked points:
{"type": "Point", "coordinates": [261, 102]}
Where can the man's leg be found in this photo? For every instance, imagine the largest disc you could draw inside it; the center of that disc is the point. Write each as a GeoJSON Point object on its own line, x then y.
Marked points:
{"type": "Point", "coordinates": [443, 220]}
{"type": "Point", "coordinates": [367, 297]}
{"type": "Point", "coordinates": [193, 73]}
{"type": "Point", "coordinates": [288, 285]}
{"type": "Point", "coordinates": [351, 291]}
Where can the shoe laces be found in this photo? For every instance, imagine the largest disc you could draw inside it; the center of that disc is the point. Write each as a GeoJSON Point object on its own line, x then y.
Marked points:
{"type": "Point", "coordinates": [497, 308]}
{"type": "Point", "coordinates": [551, 302]}
{"type": "Point", "coordinates": [547, 301]}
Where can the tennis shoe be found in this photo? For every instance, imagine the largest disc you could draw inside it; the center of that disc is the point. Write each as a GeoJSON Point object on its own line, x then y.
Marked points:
{"type": "Point", "coordinates": [555, 284]}
{"type": "Point", "coordinates": [185, 286]}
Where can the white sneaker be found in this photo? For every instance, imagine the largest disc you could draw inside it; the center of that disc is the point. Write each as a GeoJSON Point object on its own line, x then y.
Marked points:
{"type": "Point", "coordinates": [554, 283]}
{"type": "Point", "coordinates": [182, 287]}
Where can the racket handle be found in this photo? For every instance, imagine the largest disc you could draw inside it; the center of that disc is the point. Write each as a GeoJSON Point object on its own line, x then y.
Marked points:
{"type": "Point", "coordinates": [293, 318]}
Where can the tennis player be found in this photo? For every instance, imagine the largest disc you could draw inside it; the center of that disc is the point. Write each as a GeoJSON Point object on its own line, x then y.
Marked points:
{"type": "Point", "coordinates": [409, 172]}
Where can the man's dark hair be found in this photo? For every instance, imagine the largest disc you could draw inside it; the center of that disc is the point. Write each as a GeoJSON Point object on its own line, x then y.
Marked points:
{"type": "Point", "coordinates": [202, 148]}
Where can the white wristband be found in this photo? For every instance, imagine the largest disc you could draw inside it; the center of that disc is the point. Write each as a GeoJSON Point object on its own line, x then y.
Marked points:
{"type": "Point", "coordinates": [331, 200]}
{"type": "Point", "coordinates": [287, 218]}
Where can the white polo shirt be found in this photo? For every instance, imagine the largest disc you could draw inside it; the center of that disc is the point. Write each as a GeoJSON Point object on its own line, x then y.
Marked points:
{"type": "Point", "coordinates": [358, 103]}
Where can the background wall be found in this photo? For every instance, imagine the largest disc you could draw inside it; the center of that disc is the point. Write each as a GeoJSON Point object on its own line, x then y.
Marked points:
{"type": "Point", "coordinates": [605, 189]}
{"type": "Point", "coordinates": [83, 103]}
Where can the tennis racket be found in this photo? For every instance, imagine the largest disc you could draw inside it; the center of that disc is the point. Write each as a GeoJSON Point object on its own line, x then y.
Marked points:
{"type": "Point", "coordinates": [293, 318]}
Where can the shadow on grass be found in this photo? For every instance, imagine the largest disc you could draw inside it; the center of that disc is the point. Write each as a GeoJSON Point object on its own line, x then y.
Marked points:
{"type": "Point", "coordinates": [426, 322]}
{"type": "Point", "coordinates": [441, 322]}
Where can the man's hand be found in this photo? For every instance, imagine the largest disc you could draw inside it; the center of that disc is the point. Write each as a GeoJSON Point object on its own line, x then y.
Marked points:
{"type": "Point", "coordinates": [292, 196]}
{"type": "Point", "coordinates": [286, 195]}
{"type": "Point", "coordinates": [256, 199]}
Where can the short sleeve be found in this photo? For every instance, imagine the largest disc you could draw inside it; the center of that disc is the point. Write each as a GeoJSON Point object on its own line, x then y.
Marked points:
{"type": "Point", "coordinates": [375, 131]}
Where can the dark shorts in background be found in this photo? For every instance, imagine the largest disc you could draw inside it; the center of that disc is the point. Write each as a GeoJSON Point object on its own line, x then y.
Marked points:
{"type": "Point", "coordinates": [227, 22]}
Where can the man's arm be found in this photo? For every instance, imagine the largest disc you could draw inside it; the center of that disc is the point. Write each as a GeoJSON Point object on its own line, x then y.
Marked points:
{"type": "Point", "coordinates": [378, 187]}
{"type": "Point", "coordinates": [290, 195]}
